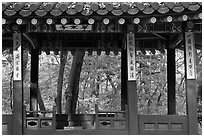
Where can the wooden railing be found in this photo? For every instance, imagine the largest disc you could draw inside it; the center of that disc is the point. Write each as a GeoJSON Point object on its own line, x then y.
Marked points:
{"type": "Point", "coordinates": [7, 124]}
{"type": "Point", "coordinates": [111, 119]}
{"type": "Point", "coordinates": [163, 125]}
{"type": "Point", "coordinates": [40, 119]}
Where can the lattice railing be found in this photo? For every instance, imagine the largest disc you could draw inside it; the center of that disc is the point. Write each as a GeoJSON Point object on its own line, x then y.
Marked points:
{"type": "Point", "coordinates": [111, 119]}
{"type": "Point", "coordinates": [40, 119]}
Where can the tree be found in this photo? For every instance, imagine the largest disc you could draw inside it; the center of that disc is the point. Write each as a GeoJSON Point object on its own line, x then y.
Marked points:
{"type": "Point", "coordinates": [63, 60]}
{"type": "Point", "coordinates": [72, 90]}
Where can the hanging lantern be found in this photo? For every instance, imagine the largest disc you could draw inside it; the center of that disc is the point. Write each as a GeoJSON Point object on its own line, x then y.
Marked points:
{"type": "Point", "coordinates": [200, 15]}
{"type": "Point", "coordinates": [3, 21]}
{"type": "Point", "coordinates": [197, 16]}
{"type": "Point", "coordinates": [121, 21]}
{"type": "Point", "coordinates": [63, 21]}
{"type": "Point", "coordinates": [153, 20]}
{"type": "Point", "coordinates": [169, 19]}
{"type": "Point", "coordinates": [166, 19]}
{"type": "Point", "coordinates": [77, 21]}
{"type": "Point", "coordinates": [49, 21]}
{"type": "Point", "coordinates": [184, 17]}
{"type": "Point", "coordinates": [19, 21]}
{"type": "Point", "coordinates": [91, 21]}
{"type": "Point", "coordinates": [34, 21]}
{"type": "Point", "coordinates": [106, 21]}
{"type": "Point", "coordinates": [136, 20]}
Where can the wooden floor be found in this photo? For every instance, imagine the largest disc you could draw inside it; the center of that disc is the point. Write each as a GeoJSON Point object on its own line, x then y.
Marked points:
{"type": "Point", "coordinates": [75, 132]}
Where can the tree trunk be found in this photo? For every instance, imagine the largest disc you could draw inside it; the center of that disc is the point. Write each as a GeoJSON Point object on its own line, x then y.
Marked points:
{"type": "Point", "coordinates": [63, 60]}
{"type": "Point", "coordinates": [72, 91]}
{"type": "Point", "coordinates": [40, 101]}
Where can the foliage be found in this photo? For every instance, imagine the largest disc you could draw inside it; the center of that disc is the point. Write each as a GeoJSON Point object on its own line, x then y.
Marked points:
{"type": "Point", "coordinates": [100, 82]}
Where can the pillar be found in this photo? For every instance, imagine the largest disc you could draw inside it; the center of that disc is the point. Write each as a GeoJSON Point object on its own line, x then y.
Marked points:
{"type": "Point", "coordinates": [124, 78]}
{"type": "Point", "coordinates": [17, 85]}
{"type": "Point", "coordinates": [131, 89]}
{"type": "Point", "coordinates": [190, 71]}
{"type": "Point", "coordinates": [34, 79]}
{"type": "Point", "coordinates": [171, 80]}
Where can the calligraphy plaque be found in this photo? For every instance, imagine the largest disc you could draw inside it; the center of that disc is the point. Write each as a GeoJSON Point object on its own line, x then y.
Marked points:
{"type": "Point", "coordinates": [190, 55]}
{"type": "Point", "coordinates": [73, 27]}
{"type": "Point", "coordinates": [131, 56]}
{"type": "Point", "coordinates": [17, 56]}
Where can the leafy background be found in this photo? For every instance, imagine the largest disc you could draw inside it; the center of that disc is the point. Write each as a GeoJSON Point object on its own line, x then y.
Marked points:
{"type": "Point", "coordinates": [100, 81]}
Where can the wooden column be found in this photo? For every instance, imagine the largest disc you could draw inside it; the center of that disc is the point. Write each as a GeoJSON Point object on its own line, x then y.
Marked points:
{"type": "Point", "coordinates": [123, 78]}
{"type": "Point", "coordinates": [132, 90]}
{"type": "Point", "coordinates": [171, 80]}
{"type": "Point", "coordinates": [191, 96]}
{"type": "Point", "coordinates": [34, 79]}
{"type": "Point", "coordinates": [17, 85]}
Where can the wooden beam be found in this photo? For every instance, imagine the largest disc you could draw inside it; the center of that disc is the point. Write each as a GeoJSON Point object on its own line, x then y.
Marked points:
{"type": "Point", "coordinates": [175, 40]}
{"type": "Point", "coordinates": [131, 87]}
{"type": "Point", "coordinates": [124, 100]}
{"type": "Point", "coordinates": [171, 79]}
{"type": "Point", "coordinates": [17, 85]}
{"type": "Point", "coordinates": [34, 79]}
{"type": "Point", "coordinates": [191, 96]}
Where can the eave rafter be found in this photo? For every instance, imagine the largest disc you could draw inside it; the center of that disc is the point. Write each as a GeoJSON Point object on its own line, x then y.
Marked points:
{"type": "Point", "coordinates": [100, 8]}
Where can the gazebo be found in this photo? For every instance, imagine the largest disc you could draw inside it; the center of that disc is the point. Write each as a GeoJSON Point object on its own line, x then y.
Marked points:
{"type": "Point", "coordinates": [104, 26]}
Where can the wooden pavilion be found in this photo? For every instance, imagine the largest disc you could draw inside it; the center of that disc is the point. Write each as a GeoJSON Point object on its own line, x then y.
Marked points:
{"type": "Point", "coordinates": [100, 26]}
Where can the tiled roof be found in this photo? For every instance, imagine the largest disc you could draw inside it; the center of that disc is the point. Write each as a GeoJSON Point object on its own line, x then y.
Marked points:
{"type": "Point", "coordinates": [96, 8]}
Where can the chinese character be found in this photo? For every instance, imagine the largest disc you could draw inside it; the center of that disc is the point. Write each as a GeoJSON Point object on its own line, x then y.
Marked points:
{"type": "Point", "coordinates": [17, 62]}
{"type": "Point", "coordinates": [131, 55]}
{"type": "Point", "coordinates": [130, 43]}
{"type": "Point", "coordinates": [189, 47]}
{"type": "Point", "coordinates": [17, 68]}
{"type": "Point", "coordinates": [131, 68]}
{"type": "Point", "coordinates": [190, 54]}
{"type": "Point", "coordinates": [191, 73]}
{"type": "Point", "coordinates": [189, 41]}
{"type": "Point", "coordinates": [190, 66]}
{"type": "Point", "coordinates": [131, 62]}
{"type": "Point", "coordinates": [190, 60]}
{"type": "Point", "coordinates": [131, 75]}
{"type": "Point", "coordinates": [130, 49]}
{"type": "Point", "coordinates": [17, 75]}
{"type": "Point", "coordinates": [17, 56]}
{"type": "Point", "coordinates": [16, 38]}
{"type": "Point", "coordinates": [130, 37]}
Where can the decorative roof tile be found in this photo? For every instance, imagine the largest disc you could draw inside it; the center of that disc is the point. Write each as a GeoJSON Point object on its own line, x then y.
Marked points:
{"type": "Point", "coordinates": [100, 8]}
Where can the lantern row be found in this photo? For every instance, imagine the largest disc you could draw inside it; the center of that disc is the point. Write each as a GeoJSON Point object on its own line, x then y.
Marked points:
{"type": "Point", "coordinates": [106, 21]}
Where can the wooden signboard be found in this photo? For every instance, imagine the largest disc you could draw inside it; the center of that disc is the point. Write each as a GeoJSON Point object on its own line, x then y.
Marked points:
{"type": "Point", "coordinates": [131, 56]}
{"type": "Point", "coordinates": [190, 55]}
{"type": "Point", "coordinates": [17, 56]}
{"type": "Point", "coordinates": [73, 27]}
